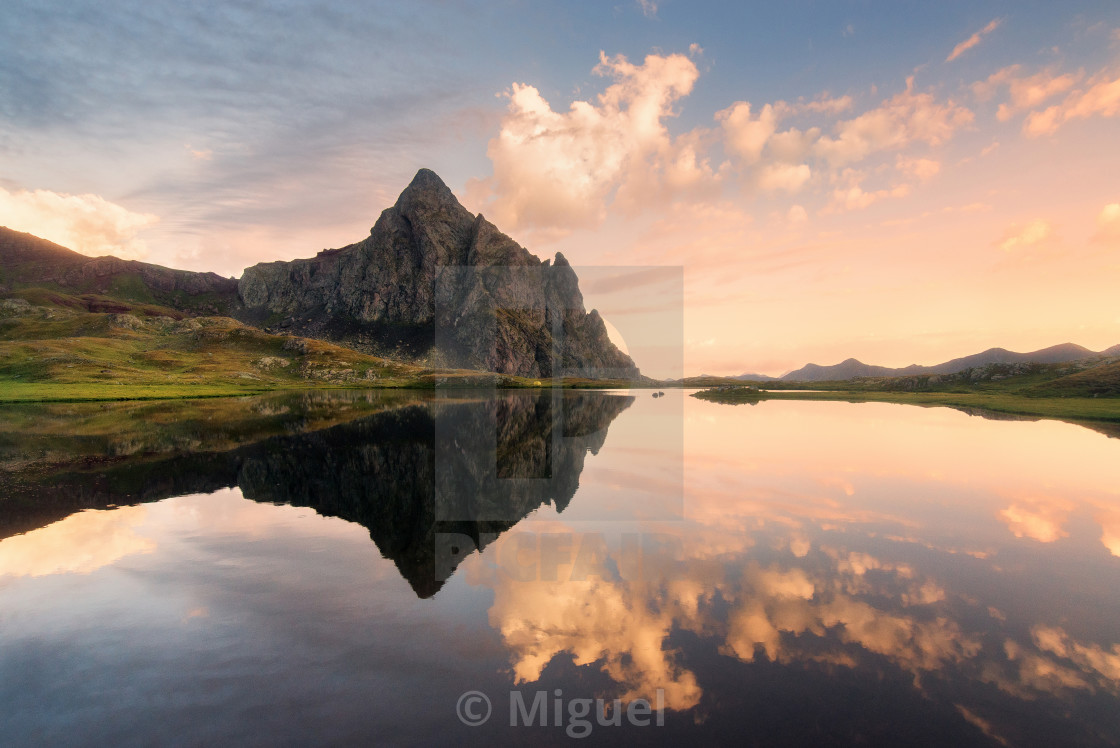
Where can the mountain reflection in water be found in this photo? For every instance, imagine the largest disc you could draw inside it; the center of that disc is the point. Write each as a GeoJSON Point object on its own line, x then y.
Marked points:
{"type": "Point", "coordinates": [500, 459]}
{"type": "Point", "coordinates": [838, 573]}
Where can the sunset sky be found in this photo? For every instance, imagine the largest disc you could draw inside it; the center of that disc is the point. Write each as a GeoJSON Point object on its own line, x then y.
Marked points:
{"type": "Point", "coordinates": [900, 182]}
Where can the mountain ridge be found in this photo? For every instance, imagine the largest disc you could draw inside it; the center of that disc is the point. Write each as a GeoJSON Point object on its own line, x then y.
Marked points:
{"type": "Point", "coordinates": [852, 368]}
{"type": "Point", "coordinates": [95, 283]}
{"type": "Point", "coordinates": [432, 284]}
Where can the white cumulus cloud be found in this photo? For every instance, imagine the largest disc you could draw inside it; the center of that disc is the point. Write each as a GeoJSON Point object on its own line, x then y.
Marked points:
{"type": "Point", "coordinates": [556, 170]}
{"type": "Point", "coordinates": [745, 133]}
{"type": "Point", "coordinates": [784, 177]}
{"type": "Point", "coordinates": [84, 223]}
{"type": "Point", "coordinates": [560, 168]}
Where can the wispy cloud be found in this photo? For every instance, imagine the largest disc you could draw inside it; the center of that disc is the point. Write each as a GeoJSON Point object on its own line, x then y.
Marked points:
{"type": "Point", "coordinates": [921, 169]}
{"type": "Point", "coordinates": [1108, 225]}
{"type": "Point", "coordinates": [1032, 233]}
{"type": "Point", "coordinates": [973, 40]}
{"type": "Point", "coordinates": [557, 170]}
{"type": "Point", "coordinates": [826, 104]}
{"type": "Point", "coordinates": [199, 154]}
{"type": "Point", "coordinates": [854, 197]}
{"type": "Point", "coordinates": [305, 119]}
{"type": "Point", "coordinates": [1101, 98]}
{"type": "Point", "coordinates": [907, 117]}
{"type": "Point", "coordinates": [1024, 91]}
{"type": "Point", "coordinates": [649, 8]}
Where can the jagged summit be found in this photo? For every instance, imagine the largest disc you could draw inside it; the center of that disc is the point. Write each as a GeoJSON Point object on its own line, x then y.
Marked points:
{"type": "Point", "coordinates": [427, 196]}
{"type": "Point", "coordinates": [428, 182]}
{"type": "Point", "coordinates": [434, 282]}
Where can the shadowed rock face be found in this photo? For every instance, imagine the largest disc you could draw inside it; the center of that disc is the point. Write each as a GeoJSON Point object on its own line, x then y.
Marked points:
{"type": "Point", "coordinates": [412, 475]}
{"type": "Point", "coordinates": [435, 281]}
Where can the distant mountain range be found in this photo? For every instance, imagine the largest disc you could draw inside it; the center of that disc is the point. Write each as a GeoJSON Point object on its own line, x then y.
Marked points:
{"type": "Point", "coordinates": [751, 377]}
{"type": "Point", "coordinates": [852, 368]}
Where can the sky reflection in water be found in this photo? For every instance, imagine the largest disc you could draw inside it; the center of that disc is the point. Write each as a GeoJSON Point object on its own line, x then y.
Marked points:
{"type": "Point", "coordinates": [784, 572]}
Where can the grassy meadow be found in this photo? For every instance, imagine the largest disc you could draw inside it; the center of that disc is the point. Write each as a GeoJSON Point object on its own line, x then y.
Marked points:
{"type": "Point", "coordinates": [54, 351]}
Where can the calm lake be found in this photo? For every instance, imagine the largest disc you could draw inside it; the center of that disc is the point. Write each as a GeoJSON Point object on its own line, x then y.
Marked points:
{"type": "Point", "coordinates": [334, 568]}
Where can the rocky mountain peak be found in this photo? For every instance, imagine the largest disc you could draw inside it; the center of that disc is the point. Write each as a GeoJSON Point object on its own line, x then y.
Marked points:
{"type": "Point", "coordinates": [426, 197]}
{"type": "Point", "coordinates": [435, 283]}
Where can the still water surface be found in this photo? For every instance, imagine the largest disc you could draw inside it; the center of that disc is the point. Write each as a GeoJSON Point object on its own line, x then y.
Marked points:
{"type": "Point", "coordinates": [327, 569]}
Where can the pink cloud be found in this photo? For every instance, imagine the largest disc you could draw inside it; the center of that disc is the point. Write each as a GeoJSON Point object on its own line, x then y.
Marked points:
{"type": "Point", "coordinates": [1024, 91]}
{"type": "Point", "coordinates": [784, 177]}
{"type": "Point", "coordinates": [1034, 232]}
{"type": "Point", "coordinates": [1100, 99]}
{"type": "Point", "coordinates": [921, 169]}
{"type": "Point", "coordinates": [745, 135]}
{"type": "Point", "coordinates": [825, 104]}
{"type": "Point", "coordinates": [905, 118]}
{"type": "Point", "coordinates": [1108, 224]}
{"type": "Point", "coordinates": [560, 168]}
{"type": "Point", "coordinates": [973, 40]}
{"type": "Point", "coordinates": [856, 198]}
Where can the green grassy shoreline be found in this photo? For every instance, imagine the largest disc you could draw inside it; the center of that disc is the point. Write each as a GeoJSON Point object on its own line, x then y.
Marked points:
{"type": "Point", "coordinates": [66, 392]}
{"type": "Point", "coordinates": [51, 392]}
{"type": "Point", "coordinates": [52, 354]}
{"type": "Point", "coordinates": [1072, 409]}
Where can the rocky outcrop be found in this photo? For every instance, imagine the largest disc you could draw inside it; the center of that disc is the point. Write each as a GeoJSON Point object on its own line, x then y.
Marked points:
{"type": "Point", "coordinates": [437, 283]}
